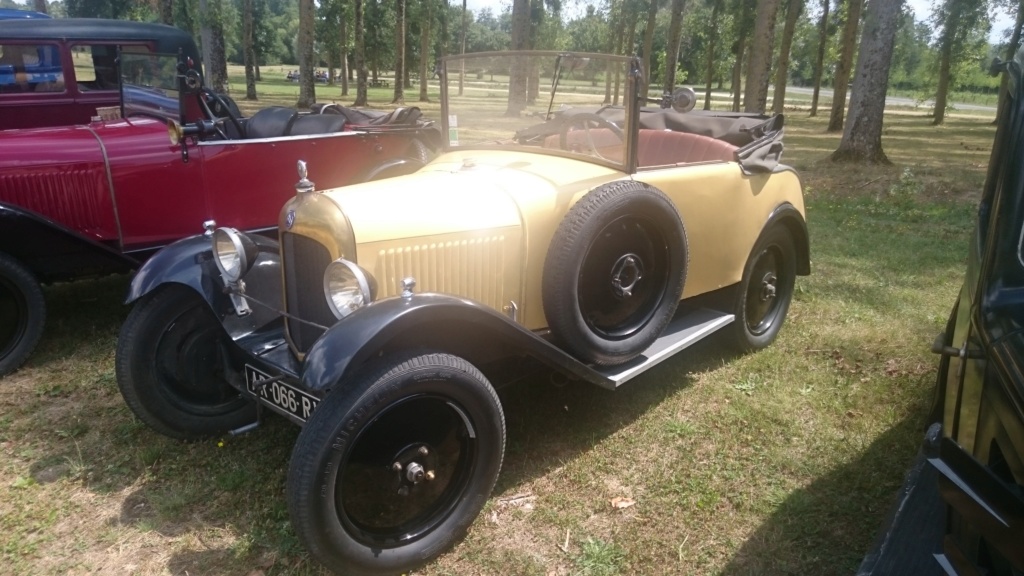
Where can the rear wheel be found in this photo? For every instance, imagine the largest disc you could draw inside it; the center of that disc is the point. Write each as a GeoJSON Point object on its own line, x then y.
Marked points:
{"type": "Point", "coordinates": [765, 291]}
{"type": "Point", "coordinates": [393, 466]}
{"type": "Point", "coordinates": [22, 314]}
{"type": "Point", "coordinates": [170, 367]}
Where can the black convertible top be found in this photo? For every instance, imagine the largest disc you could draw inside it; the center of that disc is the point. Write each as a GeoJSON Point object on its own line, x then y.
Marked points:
{"type": "Point", "coordinates": [165, 39]}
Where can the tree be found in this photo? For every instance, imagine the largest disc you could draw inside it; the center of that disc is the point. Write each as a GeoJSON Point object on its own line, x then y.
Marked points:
{"type": "Point", "coordinates": [399, 52]}
{"type": "Point", "coordinates": [1011, 49]}
{"type": "Point", "coordinates": [742, 27]}
{"type": "Point", "coordinates": [212, 35]}
{"type": "Point", "coordinates": [862, 138]}
{"type": "Point", "coordinates": [462, 50]}
{"type": "Point", "coordinates": [166, 8]}
{"type": "Point", "coordinates": [360, 55]}
{"type": "Point", "coordinates": [793, 8]}
{"type": "Point", "coordinates": [845, 66]}
{"type": "Point", "coordinates": [755, 98]}
{"type": "Point", "coordinates": [674, 39]}
{"type": "Point", "coordinates": [39, 6]}
{"type": "Point", "coordinates": [250, 54]}
{"type": "Point", "coordinates": [716, 9]}
{"type": "Point", "coordinates": [962, 22]}
{"type": "Point", "coordinates": [425, 22]}
{"type": "Point", "coordinates": [307, 89]}
{"type": "Point", "coordinates": [819, 63]}
{"type": "Point", "coordinates": [518, 75]}
{"type": "Point", "coordinates": [652, 13]}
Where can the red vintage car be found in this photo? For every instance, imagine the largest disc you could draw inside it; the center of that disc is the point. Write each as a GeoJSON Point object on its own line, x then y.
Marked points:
{"type": "Point", "coordinates": [100, 198]}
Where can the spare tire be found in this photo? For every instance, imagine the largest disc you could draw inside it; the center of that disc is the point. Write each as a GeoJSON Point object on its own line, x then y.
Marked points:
{"type": "Point", "coordinates": [614, 272]}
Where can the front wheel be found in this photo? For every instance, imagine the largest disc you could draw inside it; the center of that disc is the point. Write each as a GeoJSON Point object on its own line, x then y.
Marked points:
{"type": "Point", "coordinates": [393, 466]}
{"type": "Point", "coordinates": [22, 314]}
{"type": "Point", "coordinates": [170, 367]}
{"type": "Point", "coordinates": [765, 291]}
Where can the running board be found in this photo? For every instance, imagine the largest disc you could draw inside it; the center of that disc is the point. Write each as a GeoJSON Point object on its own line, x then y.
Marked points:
{"type": "Point", "coordinates": [682, 332]}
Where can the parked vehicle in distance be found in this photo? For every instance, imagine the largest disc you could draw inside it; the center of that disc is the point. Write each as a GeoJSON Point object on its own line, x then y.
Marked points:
{"type": "Point", "coordinates": [594, 241]}
{"type": "Point", "coordinates": [57, 72]}
{"type": "Point", "coordinates": [101, 197]}
{"type": "Point", "coordinates": [961, 510]}
{"type": "Point", "coordinates": [14, 13]}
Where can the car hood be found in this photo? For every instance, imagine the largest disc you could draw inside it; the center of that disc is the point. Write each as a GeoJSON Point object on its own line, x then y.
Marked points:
{"type": "Point", "coordinates": [465, 191]}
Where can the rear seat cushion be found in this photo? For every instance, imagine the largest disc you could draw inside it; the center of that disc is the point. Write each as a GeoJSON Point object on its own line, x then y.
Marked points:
{"type": "Point", "coordinates": [661, 147]}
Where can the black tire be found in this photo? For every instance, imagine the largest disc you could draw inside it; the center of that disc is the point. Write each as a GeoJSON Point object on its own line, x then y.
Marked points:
{"type": "Point", "coordinates": [170, 367]}
{"type": "Point", "coordinates": [625, 230]}
{"type": "Point", "coordinates": [764, 293]}
{"type": "Point", "coordinates": [22, 314]}
{"type": "Point", "coordinates": [352, 509]}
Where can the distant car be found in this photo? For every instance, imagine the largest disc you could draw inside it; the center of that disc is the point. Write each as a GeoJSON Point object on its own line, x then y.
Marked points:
{"type": "Point", "coordinates": [98, 198]}
{"type": "Point", "coordinates": [595, 241]}
{"type": "Point", "coordinates": [961, 511]}
{"type": "Point", "coordinates": [14, 13]}
{"type": "Point", "coordinates": [56, 72]}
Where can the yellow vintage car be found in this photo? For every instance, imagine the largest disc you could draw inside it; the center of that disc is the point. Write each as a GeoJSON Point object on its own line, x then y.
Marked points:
{"type": "Point", "coordinates": [573, 225]}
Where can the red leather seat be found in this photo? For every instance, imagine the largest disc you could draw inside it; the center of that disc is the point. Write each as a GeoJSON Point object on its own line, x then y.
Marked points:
{"type": "Point", "coordinates": [661, 147]}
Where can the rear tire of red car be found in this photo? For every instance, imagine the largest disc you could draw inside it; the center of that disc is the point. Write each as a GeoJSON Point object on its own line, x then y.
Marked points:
{"type": "Point", "coordinates": [764, 293]}
{"type": "Point", "coordinates": [614, 273]}
{"type": "Point", "coordinates": [169, 366]}
{"type": "Point", "coordinates": [395, 464]}
{"type": "Point", "coordinates": [22, 314]}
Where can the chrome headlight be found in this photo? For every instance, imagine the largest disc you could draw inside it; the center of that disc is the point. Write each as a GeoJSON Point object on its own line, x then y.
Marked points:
{"type": "Point", "coordinates": [347, 287]}
{"type": "Point", "coordinates": [234, 253]}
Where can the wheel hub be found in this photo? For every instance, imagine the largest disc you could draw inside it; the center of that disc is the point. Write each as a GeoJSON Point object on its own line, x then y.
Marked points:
{"type": "Point", "coordinates": [768, 287]}
{"type": "Point", "coordinates": [413, 465]}
{"type": "Point", "coordinates": [626, 272]}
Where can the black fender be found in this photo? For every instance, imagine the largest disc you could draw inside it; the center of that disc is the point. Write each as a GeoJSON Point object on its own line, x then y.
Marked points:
{"type": "Point", "coordinates": [189, 261]}
{"type": "Point", "coordinates": [787, 215]}
{"type": "Point", "coordinates": [54, 252]}
{"type": "Point", "coordinates": [437, 321]}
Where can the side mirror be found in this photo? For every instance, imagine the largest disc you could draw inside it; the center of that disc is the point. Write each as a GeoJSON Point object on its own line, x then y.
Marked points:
{"type": "Point", "coordinates": [683, 99]}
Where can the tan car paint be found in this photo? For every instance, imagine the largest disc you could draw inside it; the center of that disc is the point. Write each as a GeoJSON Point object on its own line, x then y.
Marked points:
{"type": "Point", "coordinates": [478, 224]}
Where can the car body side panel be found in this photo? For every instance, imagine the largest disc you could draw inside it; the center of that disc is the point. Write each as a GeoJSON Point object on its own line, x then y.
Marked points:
{"type": "Point", "coordinates": [66, 183]}
{"type": "Point", "coordinates": [725, 211]}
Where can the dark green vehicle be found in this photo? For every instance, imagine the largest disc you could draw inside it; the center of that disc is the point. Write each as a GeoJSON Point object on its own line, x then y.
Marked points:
{"type": "Point", "coordinates": [961, 511]}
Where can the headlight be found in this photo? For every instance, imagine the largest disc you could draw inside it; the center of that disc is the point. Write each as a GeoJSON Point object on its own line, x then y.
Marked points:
{"type": "Point", "coordinates": [233, 252]}
{"type": "Point", "coordinates": [347, 287]}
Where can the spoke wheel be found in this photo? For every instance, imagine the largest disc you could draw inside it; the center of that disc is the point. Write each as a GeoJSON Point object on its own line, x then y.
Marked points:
{"type": "Point", "coordinates": [170, 367]}
{"type": "Point", "coordinates": [395, 464]}
{"type": "Point", "coordinates": [766, 290]}
{"type": "Point", "coordinates": [22, 314]}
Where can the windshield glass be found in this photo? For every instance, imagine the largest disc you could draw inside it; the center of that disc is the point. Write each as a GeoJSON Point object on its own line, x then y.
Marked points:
{"type": "Point", "coordinates": [548, 101]}
{"type": "Point", "coordinates": [150, 85]}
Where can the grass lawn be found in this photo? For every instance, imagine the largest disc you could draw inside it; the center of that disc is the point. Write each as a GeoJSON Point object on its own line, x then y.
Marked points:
{"type": "Point", "coordinates": [780, 462]}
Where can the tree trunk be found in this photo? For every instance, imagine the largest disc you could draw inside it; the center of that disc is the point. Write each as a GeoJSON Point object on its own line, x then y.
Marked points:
{"type": "Point", "coordinates": [399, 96]}
{"type": "Point", "coordinates": [462, 42]}
{"type": "Point", "coordinates": [425, 59]}
{"type": "Point", "coordinates": [627, 48]}
{"type": "Point", "coordinates": [845, 65]}
{"type": "Point", "coordinates": [737, 73]}
{"type": "Point", "coordinates": [942, 91]}
{"type": "Point", "coordinates": [212, 35]}
{"type": "Point", "coordinates": [652, 13]}
{"type": "Point", "coordinates": [614, 39]}
{"type": "Point", "coordinates": [716, 8]}
{"type": "Point", "coordinates": [518, 74]}
{"type": "Point", "coordinates": [166, 8]}
{"type": "Point", "coordinates": [343, 37]}
{"type": "Point", "coordinates": [40, 6]}
{"type": "Point", "coordinates": [862, 139]}
{"type": "Point", "coordinates": [1011, 50]}
{"type": "Point", "coordinates": [307, 89]}
{"type": "Point", "coordinates": [759, 68]}
{"type": "Point", "coordinates": [820, 63]}
{"type": "Point", "coordinates": [360, 56]}
{"type": "Point", "coordinates": [793, 9]}
{"type": "Point", "coordinates": [249, 55]}
{"type": "Point", "coordinates": [674, 40]}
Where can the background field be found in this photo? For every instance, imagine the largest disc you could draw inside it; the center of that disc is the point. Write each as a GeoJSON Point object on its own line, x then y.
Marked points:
{"type": "Point", "coordinates": [781, 462]}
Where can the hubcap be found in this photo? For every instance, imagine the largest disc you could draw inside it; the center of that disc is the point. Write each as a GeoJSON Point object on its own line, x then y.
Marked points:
{"type": "Point", "coordinates": [762, 303]}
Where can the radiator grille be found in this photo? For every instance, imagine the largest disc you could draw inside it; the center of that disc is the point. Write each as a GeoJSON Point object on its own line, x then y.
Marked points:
{"type": "Point", "coordinates": [471, 268]}
{"type": "Point", "coordinates": [304, 263]}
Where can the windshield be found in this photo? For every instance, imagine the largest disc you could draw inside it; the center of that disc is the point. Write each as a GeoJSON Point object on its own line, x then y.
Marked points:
{"type": "Point", "coordinates": [546, 101]}
{"type": "Point", "coordinates": [149, 85]}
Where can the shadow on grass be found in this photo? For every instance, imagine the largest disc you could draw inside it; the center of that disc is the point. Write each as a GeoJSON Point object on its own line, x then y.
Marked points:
{"type": "Point", "coordinates": [828, 526]}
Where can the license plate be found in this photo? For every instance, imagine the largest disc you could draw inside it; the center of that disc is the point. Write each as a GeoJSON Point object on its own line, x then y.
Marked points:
{"type": "Point", "coordinates": [285, 397]}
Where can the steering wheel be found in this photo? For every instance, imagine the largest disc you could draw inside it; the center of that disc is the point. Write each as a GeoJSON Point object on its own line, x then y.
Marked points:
{"type": "Point", "coordinates": [586, 121]}
{"type": "Point", "coordinates": [218, 119]}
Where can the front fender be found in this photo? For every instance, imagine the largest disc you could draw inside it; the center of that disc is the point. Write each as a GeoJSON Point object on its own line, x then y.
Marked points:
{"type": "Point", "coordinates": [190, 262]}
{"type": "Point", "coordinates": [436, 321]}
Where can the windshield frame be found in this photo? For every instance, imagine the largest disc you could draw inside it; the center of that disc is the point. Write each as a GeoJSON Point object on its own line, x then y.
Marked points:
{"type": "Point", "coordinates": [630, 100]}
